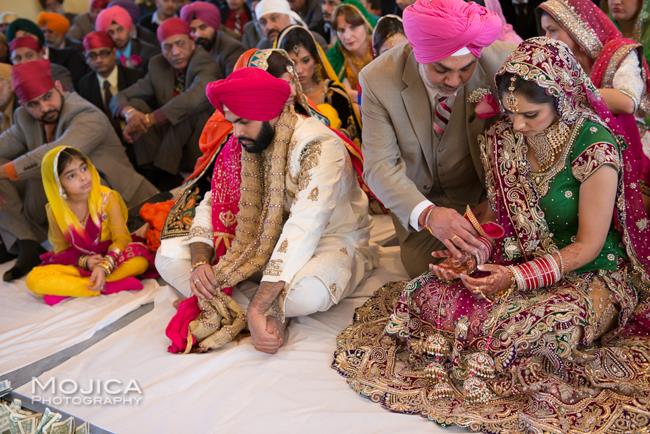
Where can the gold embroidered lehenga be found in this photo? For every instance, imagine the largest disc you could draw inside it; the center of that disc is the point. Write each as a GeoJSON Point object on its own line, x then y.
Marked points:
{"type": "Point", "coordinates": [570, 357]}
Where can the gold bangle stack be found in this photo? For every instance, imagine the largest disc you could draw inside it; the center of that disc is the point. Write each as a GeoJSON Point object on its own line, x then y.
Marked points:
{"type": "Point", "coordinates": [107, 264]}
{"type": "Point", "coordinates": [82, 262]}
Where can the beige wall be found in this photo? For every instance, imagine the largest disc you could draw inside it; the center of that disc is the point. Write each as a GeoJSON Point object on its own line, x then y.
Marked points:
{"type": "Point", "coordinates": [31, 8]}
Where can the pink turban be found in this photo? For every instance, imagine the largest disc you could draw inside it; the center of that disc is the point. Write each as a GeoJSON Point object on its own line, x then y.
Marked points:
{"type": "Point", "coordinates": [171, 27]}
{"type": "Point", "coordinates": [114, 14]}
{"type": "Point", "coordinates": [204, 11]}
{"type": "Point", "coordinates": [250, 93]}
{"type": "Point", "coordinates": [436, 29]}
{"type": "Point", "coordinates": [31, 79]}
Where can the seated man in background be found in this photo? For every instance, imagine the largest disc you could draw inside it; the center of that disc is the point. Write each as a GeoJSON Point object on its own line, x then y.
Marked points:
{"type": "Point", "coordinates": [85, 23]}
{"type": "Point", "coordinates": [27, 49]}
{"type": "Point", "coordinates": [204, 20]}
{"type": "Point", "coordinates": [165, 9]}
{"type": "Point", "coordinates": [107, 77]}
{"type": "Point", "coordinates": [49, 117]}
{"type": "Point", "coordinates": [130, 52]}
{"type": "Point", "coordinates": [165, 111]}
{"type": "Point", "coordinates": [274, 16]}
{"type": "Point", "coordinates": [55, 29]}
{"type": "Point", "coordinates": [71, 59]}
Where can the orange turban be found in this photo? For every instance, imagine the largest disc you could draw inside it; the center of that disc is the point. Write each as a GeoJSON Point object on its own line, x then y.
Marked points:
{"type": "Point", "coordinates": [52, 21]}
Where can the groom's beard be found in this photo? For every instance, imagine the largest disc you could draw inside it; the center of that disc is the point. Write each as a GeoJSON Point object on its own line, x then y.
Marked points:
{"type": "Point", "coordinates": [259, 143]}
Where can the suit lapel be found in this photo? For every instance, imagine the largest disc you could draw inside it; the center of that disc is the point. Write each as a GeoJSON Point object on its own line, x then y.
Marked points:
{"type": "Point", "coordinates": [416, 102]}
{"type": "Point", "coordinates": [121, 79]}
{"type": "Point", "coordinates": [96, 92]}
{"type": "Point", "coordinates": [475, 126]}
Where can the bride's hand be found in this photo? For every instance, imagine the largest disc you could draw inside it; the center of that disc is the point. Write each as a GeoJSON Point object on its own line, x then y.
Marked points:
{"type": "Point", "coordinates": [499, 280]}
{"type": "Point", "coordinates": [451, 268]}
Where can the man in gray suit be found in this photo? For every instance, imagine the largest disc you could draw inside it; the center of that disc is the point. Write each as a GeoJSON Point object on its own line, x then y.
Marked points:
{"type": "Point", "coordinates": [165, 111]}
{"type": "Point", "coordinates": [49, 117]}
{"type": "Point", "coordinates": [420, 131]}
{"type": "Point", "coordinates": [204, 20]}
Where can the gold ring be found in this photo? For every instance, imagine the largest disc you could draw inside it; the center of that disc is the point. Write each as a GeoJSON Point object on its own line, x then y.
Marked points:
{"type": "Point", "coordinates": [454, 237]}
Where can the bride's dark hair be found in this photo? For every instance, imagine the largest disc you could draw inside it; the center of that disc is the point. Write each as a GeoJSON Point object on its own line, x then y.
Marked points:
{"type": "Point", "coordinates": [529, 89]}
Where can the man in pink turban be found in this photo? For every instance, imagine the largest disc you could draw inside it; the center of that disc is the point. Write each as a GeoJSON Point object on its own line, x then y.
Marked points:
{"type": "Point", "coordinates": [130, 51]}
{"type": "Point", "coordinates": [165, 110]}
{"type": "Point", "coordinates": [423, 109]}
{"type": "Point", "coordinates": [204, 20]}
{"type": "Point", "coordinates": [309, 260]}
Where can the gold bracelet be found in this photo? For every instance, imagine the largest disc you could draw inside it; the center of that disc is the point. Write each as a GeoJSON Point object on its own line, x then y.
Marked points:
{"type": "Point", "coordinates": [104, 267]}
{"type": "Point", "coordinates": [197, 264]}
{"type": "Point", "coordinates": [469, 214]}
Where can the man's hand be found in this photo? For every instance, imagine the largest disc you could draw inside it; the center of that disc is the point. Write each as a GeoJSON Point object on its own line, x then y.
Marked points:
{"type": "Point", "coordinates": [203, 281]}
{"type": "Point", "coordinates": [267, 332]}
{"type": "Point", "coordinates": [456, 233]}
{"type": "Point", "coordinates": [136, 124]}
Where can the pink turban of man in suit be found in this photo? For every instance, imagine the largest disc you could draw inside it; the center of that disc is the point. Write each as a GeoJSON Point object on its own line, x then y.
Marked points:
{"type": "Point", "coordinates": [437, 29]}
{"type": "Point", "coordinates": [114, 14]}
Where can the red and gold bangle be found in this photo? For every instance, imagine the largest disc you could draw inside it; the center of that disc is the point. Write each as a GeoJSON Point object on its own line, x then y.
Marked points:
{"type": "Point", "coordinates": [539, 273]}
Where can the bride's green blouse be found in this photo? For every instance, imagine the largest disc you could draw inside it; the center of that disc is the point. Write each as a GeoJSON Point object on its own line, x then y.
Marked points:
{"type": "Point", "coordinates": [590, 147]}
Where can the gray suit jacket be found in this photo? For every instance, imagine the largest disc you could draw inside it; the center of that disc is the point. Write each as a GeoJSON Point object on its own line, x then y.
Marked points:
{"type": "Point", "coordinates": [405, 162]}
{"type": "Point", "coordinates": [85, 127]}
{"type": "Point", "coordinates": [157, 87]}
{"type": "Point", "coordinates": [226, 51]}
{"type": "Point", "coordinates": [81, 27]}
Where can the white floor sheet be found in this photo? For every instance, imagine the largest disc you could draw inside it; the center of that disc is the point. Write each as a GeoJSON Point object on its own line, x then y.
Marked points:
{"type": "Point", "coordinates": [30, 330]}
{"type": "Point", "coordinates": [235, 389]}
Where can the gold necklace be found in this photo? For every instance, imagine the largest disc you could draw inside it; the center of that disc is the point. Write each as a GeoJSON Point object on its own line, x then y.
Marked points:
{"type": "Point", "coordinates": [548, 145]}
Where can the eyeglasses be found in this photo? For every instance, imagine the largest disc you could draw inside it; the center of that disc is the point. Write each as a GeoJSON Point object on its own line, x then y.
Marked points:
{"type": "Point", "coordinates": [93, 55]}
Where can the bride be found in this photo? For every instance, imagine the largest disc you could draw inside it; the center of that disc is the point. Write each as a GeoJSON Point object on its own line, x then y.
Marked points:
{"type": "Point", "coordinates": [542, 330]}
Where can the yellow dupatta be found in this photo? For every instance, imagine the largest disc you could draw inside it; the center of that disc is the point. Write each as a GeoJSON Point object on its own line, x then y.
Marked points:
{"type": "Point", "coordinates": [65, 219]}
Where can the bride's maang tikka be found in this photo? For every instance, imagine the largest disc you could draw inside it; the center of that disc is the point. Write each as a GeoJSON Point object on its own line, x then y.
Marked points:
{"type": "Point", "coordinates": [510, 100]}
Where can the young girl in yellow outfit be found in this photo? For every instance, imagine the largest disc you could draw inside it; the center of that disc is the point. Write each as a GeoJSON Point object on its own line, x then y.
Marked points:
{"type": "Point", "coordinates": [93, 252]}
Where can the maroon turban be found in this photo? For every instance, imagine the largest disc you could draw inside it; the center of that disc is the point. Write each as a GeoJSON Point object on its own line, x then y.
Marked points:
{"type": "Point", "coordinates": [114, 14]}
{"type": "Point", "coordinates": [98, 4]}
{"type": "Point", "coordinates": [95, 40]}
{"type": "Point", "coordinates": [172, 27]}
{"type": "Point", "coordinates": [31, 79]}
{"type": "Point", "coordinates": [250, 93]}
{"type": "Point", "coordinates": [436, 29]}
{"type": "Point", "coordinates": [204, 11]}
{"type": "Point", "coordinates": [25, 42]}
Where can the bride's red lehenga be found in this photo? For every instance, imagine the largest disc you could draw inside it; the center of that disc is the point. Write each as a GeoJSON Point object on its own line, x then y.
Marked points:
{"type": "Point", "coordinates": [570, 357]}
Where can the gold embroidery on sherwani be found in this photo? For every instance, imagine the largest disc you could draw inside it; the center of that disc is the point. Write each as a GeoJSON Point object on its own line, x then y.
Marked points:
{"type": "Point", "coordinates": [284, 245]}
{"type": "Point", "coordinates": [227, 218]}
{"type": "Point", "coordinates": [273, 268]}
{"type": "Point", "coordinates": [309, 158]}
{"type": "Point", "coordinates": [313, 194]}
